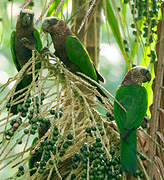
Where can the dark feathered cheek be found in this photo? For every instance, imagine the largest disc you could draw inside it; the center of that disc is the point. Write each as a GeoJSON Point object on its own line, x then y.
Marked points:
{"type": "Point", "coordinates": [144, 79]}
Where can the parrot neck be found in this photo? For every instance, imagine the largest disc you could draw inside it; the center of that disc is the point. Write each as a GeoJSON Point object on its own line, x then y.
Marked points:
{"type": "Point", "coordinates": [24, 31]}
{"type": "Point", "coordinates": [126, 80]}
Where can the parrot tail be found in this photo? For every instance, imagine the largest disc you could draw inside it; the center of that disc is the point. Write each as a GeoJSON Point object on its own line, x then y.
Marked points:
{"type": "Point", "coordinates": [129, 153]}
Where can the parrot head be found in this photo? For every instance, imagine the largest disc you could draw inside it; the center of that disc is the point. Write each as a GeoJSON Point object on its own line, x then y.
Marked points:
{"type": "Point", "coordinates": [55, 26]}
{"type": "Point", "coordinates": [26, 17]}
{"type": "Point", "coordinates": [137, 75]}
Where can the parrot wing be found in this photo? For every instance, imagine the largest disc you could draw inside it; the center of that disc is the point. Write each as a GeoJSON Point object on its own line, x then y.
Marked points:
{"type": "Point", "coordinates": [13, 53]}
{"type": "Point", "coordinates": [134, 99]}
{"type": "Point", "coordinates": [38, 40]}
{"type": "Point", "coordinates": [100, 77]}
{"type": "Point", "coordinates": [78, 55]}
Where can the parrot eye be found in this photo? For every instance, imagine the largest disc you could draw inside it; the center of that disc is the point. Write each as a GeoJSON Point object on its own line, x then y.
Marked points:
{"type": "Point", "coordinates": [146, 74]}
{"type": "Point", "coordinates": [26, 19]}
{"type": "Point", "coordinates": [54, 21]}
{"type": "Point", "coordinates": [143, 71]}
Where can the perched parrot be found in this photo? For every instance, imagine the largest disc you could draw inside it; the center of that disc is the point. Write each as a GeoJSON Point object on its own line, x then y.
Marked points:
{"type": "Point", "coordinates": [25, 39]}
{"type": "Point", "coordinates": [129, 114]}
{"type": "Point", "coordinates": [70, 50]}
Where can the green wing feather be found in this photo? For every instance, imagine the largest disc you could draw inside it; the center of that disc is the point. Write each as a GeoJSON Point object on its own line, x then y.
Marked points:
{"type": "Point", "coordinates": [78, 55]}
{"type": "Point", "coordinates": [38, 40]}
{"type": "Point", "coordinates": [134, 99]}
{"type": "Point", "coordinates": [13, 53]}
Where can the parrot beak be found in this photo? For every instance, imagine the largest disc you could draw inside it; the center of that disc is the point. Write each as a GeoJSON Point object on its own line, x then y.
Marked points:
{"type": "Point", "coordinates": [148, 76]}
{"type": "Point", "coordinates": [26, 19]}
{"type": "Point", "coordinates": [45, 26]}
{"type": "Point", "coordinates": [48, 22]}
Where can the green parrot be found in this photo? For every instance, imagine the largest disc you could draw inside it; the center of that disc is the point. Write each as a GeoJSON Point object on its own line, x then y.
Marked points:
{"type": "Point", "coordinates": [25, 39]}
{"type": "Point", "coordinates": [70, 50]}
{"type": "Point", "coordinates": [134, 100]}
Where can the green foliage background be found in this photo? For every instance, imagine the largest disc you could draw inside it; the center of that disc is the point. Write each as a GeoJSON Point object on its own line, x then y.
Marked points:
{"type": "Point", "coordinates": [122, 44]}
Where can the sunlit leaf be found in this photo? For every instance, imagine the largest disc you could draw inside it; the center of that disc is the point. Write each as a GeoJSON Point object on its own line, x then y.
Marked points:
{"type": "Point", "coordinates": [113, 22]}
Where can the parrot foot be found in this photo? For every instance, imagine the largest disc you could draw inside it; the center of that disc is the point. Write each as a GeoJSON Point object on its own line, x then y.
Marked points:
{"type": "Point", "coordinates": [126, 133]}
{"type": "Point", "coordinates": [27, 43]}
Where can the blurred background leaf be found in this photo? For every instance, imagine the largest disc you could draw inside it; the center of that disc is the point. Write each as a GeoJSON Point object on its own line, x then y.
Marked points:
{"type": "Point", "coordinates": [124, 34]}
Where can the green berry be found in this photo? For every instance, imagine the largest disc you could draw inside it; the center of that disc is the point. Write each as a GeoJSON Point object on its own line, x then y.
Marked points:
{"type": "Point", "coordinates": [30, 116]}
{"type": "Point", "coordinates": [19, 121]}
{"type": "Point", "coordinates": [88, 130]}
{"type": "Point", "coordinates": [84, 165]}
{"type": "Point", "coordinates": [65, 145]}
{"type": "Point", "coordinates": [102, 133]}
{"type": "Point", "coordinates": [74, 166]}
{"type": "Point", "coordinates": [51, 162]}
{"type": "Point", "coordinates": [55, 133]}
{"type": "Point", "coordinates": [27, 105]}
{"type": "Point", "coordinates": [13, 121]}
{"type": "Point", "coordinates": [23, 114]}
{"type": "Point", "coordinates": [52, 111]}
{"type": "Point", "coordinates": [113, 162]}
{"type": "Point", "coordinates": [34, 126]}
{"type": "Point", "coordinates": [25, 109]}
{"type": "Point", "coordinates": [119, 9]}
{"type": "Point", "coordinates": [43, 120]}
{"type": "Point", "coordinates": [42, 163]}
{"type": "Point", "coordinates": [26, 131]}
{"type": "Point", "coordinates": [118, 177]}
{"type": "Point", "coordinates": [32, 131]}
{"type": "Point", "coordinates": [55, 138]}
{"type": "Point", "coordinates": [83, 175]}
{"type": "Point", "coordinates": [93, 128]}
{"type": "Point", "coordinates": [21, 168]}
{"type": "Point", "coordinates": [134, 33]}
{"type": "Point", "coordinates": [62, 153]}
{"type": "Point", "coordinates": [10, 133]}
{"type": "Point", "coordinates": [127, 49]}
{"type": "Point", "coordinates": [28, 100]}
{"type": "Point", "coordinates": [40, 171]}
{"type": "Point", "coordinates": [98, 140]}
{"type": "Point", "coordinates": [8, 105]}
{"type": "Point", "coordinates": [125, 41]}
{"type": "Point", "coordinates": [42, 96]}
{"type": "Point", "coordinates": [91, 148]}
{"type": "Point", "coordinates": [98, 124]}
{"type": "Point", "coordinates": [100, 128]}
{"type": "Point", "coordinates": [99, 150]}
{"type": "Point", "coordinates": [73, 176]}
{"type": "Point", "coordinates": [19, 174]}
{"type": "Point", "coordinates": [69, 143]}
{"type": "Point", "coordinates": [132, 25]}
{"type": "Point", "coordinates": [69, 136]}
{"type": "Point", "coordinates": [99, 144]}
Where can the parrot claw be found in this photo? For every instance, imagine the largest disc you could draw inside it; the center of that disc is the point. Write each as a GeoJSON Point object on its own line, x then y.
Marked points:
{"type": "Point", "coordinates": [26, 42]}
{"type": "Point", "coordinates": [126, 133]}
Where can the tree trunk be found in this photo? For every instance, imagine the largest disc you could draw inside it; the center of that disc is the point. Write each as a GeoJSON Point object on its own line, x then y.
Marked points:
{"type": "Point", "coordinates": [157, 121]}
{"type": "Point", "coordinates": [90, 32]}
